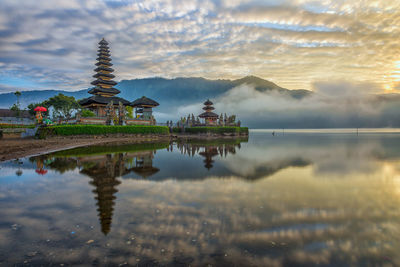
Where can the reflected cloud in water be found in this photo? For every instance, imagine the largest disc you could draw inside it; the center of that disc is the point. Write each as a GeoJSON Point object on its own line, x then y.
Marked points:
{"type": "Point", "coordinates": [274, 201]}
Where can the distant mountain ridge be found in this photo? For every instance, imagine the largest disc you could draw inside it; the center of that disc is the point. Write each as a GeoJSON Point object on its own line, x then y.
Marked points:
{"type": "Point", "coordinates": [175, 91]}
{"type": "Point", "coordinates": [262, 104]}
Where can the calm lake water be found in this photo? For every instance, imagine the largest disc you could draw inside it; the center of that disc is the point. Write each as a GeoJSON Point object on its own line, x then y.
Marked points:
{"type": "Point", "coordinates": [296, 198]}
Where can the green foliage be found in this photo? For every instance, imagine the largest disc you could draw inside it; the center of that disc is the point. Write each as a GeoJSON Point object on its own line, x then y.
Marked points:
{"type": "Point", "coordinates": [6, 126]}
{"type": "Point", "coordinates": [87, 113]}
{"type": "Point", "coordinates": [129, 112]}
{"type": "Point", "coordinates": [176, 130]}
{"type": "Point", "coordinates": [16, 106]}
{"type": "Point", "coordinates": [16, 109]}
{"type": "Point", "coordinates": [244, 130]}
{"type": "Point", "coordinates": [214, 142]}
{"type": "Point", "coordinates": [100, 129]}
{"type": "Point", "coordinates": [63, 105]}
{"type": "Point", "coordinates": [217, 130]}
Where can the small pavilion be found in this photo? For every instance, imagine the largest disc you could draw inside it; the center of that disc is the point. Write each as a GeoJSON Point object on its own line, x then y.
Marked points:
{"type": "Point", "coordinates": [209, 117]}
{"type": "Point", "coordinates": [144, 108]}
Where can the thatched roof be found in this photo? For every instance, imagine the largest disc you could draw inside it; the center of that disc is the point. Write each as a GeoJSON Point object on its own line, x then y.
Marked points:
{"type": "Point", "coordinates": [208, 102]}
{"type": "Point", "coordinates": [208, 115]}
{"type": "Point", "coordinates": [99, 74]}
{"type": "Point", "coordinates": [104, 90]}
{"type": "Point", "coordinates": [103, 58]}
{"type": "Point", "coordinates": [103, 68]}
{"type": "Point", "coordinates": [96, 99]}
{"type": "Point", "coordinates": [103, 63]}
{"type": "Point", "coordinates": [145, 171]}
{"type": "Point", "coordinates": [144, 101]}
{"type": "Point", "coordinates": [101, 81]}
{"type": "Point", "coordinates": [103, 42]}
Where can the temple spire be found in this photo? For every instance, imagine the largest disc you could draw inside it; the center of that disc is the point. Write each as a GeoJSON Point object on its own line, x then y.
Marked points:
{"type": "Point", "coordinates": [103, 94]}
{"type": "Point", "coordinates": [104, 83]}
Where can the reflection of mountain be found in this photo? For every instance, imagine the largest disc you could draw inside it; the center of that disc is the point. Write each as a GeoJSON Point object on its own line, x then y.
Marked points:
{"type": "Point", "coordinates": [273, 167]}
{"type": "Point", "coordinates": [136, 161]}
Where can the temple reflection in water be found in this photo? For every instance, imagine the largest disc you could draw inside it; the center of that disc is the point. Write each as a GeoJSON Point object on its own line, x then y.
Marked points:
{"type": "Point", "coordinates": [208, 151]}
{"type": "Point", "coordinates": [106, 165]}
{"type": "Point", "coordinates": [104, 171]}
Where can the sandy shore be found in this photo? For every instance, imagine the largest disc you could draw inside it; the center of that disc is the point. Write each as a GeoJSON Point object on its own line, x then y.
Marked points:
{"type": "Point", "coordinates": [12, 148]}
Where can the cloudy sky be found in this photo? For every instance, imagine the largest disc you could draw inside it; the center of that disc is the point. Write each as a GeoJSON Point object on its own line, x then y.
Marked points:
{"type": "Point", "coordinates": [295, 43]}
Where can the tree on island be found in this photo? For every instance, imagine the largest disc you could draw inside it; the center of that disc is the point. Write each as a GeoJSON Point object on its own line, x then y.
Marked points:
{"type": "Point", "coordinates": [87, 113]}
{"type": "Point", "coordinates": [16, 106]}
{"type": "Point", "coordinates": [129, 112]}
{"type": "Point", "coordinates": [18, 95]}
{"type": "Point", "coordinates": [63, 105]}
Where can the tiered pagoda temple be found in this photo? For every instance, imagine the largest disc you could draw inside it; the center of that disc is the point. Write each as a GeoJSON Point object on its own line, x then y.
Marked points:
{"type": "Point", "coordinates": [103, 92]}
{"type": "Point", "coordinates": [209, 117]}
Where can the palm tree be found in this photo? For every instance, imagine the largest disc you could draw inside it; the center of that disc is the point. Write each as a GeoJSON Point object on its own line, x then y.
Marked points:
{"type": "Point", "coordinates": [17, 94]}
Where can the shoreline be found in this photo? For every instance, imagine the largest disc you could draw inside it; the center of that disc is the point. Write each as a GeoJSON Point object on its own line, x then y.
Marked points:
{"type": "Point", "coordinates": [15, 148]}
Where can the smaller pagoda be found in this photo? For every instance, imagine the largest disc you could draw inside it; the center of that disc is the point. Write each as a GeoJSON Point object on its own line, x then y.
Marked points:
{"type": "Point", "coordinates": [209, 117]}
{"type": "Point", "coordinates": [103, 92]}
{"type": "Point", "coordinates": [144, 108]}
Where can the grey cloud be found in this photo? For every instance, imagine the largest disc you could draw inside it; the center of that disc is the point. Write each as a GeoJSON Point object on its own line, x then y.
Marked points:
{"type": "Point", "coordinates": [205, 38]}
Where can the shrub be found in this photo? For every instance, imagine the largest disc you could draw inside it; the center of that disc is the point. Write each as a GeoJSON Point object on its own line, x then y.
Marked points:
{"type": "Point", "coordinates": [129, 112]}
{"type": "Point", "coordinates": [176, 130]}
{"type": "Point", "coordinates": [215, 130]}
{"type": "Point", "coordinates": [244, 130]}
{"type": "Point", "coordinates": [4, 126]}
{"type": "Point", "coordinates": [64, 130]}
{"type": "Point", "coordinates": [87, 113]}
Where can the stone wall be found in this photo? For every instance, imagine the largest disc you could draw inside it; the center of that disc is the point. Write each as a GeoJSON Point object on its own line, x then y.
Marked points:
{"type": "Point", "coordinates": [137, 122]}
{"type": "Point", "coordinates": [14, 120]}
{"type": "Point", "coordinates": [102, 121]}
{"type": "Point", "coordinates": [93, 120]}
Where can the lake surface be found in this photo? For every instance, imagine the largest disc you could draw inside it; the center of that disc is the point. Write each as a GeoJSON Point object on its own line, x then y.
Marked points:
{"type": "Point", "coordinates": [297, 198]}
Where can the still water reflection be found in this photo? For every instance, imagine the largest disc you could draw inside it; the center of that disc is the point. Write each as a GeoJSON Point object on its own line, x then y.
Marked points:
{"type": "Point", "coordinates": [295, 199]}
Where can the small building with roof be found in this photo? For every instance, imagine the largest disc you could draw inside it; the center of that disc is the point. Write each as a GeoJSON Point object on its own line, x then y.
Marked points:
{"type": "Point", "coordinates": [210, 118]}
{"type": "Point", "coordinates": [144, 108]}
